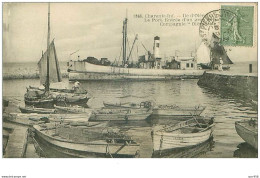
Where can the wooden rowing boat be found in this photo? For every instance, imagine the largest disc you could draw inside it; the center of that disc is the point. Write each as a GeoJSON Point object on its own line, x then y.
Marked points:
{"type": "Point", "coordinates": [45, 102]}
{"type": "Point", "coordinates": [62, 90]}
{"type": "Point", "coordinates": [36, 110]}
{"type": "Point", "coordinates": [144, 104]}
{"type": "Point", "coordinates": [34, 118]}
{"type": "Point", "coordinates": [75, 146]}
{"type": "Point", "coordinates": [190, 152]}
{"type": "Point", "coordinates": [120, 114]}
{"type": "Point", "coordinates": [185, 134]}
{"type": "Point", "coordinates": [173, 111]}
{"type": "Point", "coordinates": [72, 109]}
{"type": "Point", "coordinates": [248, 131]}
{"type": "Point", "coordinates": [51, 116]}
{"type": "Point", "coordinates": [69, 98]}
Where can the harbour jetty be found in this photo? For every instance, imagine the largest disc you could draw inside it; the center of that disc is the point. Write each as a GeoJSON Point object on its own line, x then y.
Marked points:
{"type": "Point", "coordinates": [17, 142]}
{"type": "Point", "coordinates": [25, 75]}
{"type": "Point", "coordinates": [243, 85]}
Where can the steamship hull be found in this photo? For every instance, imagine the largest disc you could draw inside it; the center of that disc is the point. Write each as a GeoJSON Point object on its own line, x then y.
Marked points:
{"type": "Point", "coordinates": [81, 70]}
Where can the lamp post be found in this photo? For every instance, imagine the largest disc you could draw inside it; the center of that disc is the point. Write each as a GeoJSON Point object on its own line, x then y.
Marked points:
{"type": "Point", "coordinates": [176, 54]}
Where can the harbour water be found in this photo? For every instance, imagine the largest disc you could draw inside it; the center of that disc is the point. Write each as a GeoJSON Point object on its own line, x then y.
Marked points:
{"type": "Point", "coordinates": [225, 107]}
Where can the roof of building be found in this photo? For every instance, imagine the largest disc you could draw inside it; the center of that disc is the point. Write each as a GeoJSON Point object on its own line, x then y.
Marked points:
{"type": "Point", "coordinates": [185, 58]}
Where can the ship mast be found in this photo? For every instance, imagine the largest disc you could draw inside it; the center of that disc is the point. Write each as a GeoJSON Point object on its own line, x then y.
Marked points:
{"type": "Point", "coordinates": [124, 40]}
{"type": "Point", "coordinates": [47, 84]}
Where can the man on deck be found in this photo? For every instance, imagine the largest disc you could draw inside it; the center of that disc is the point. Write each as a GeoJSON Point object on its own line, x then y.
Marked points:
{"type": "Point", "coordinates": [220, 64]}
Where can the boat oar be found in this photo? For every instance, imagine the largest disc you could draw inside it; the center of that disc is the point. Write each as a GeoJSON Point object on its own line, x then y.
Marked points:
{"type": "Point", "coordinates": [207, 128]}
{"type": "Point", "coordinates": [195, 120]}
{"type": "Point", "coordinates": [177, 126]}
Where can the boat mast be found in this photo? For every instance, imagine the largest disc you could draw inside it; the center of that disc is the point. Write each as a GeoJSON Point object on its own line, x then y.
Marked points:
{"type": "Point", "coordinates": [47, 84]}
{"type": "Point", "coordinates": [124, 40]}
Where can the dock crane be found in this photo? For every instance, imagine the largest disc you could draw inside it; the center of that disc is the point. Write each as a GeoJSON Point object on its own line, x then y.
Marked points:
{"type": "Point", "coordinates": [149, 53]}
{"type": "Point", "coordinates": [72, 54]}
{"type": "Point", "coordinates": [136, 38]}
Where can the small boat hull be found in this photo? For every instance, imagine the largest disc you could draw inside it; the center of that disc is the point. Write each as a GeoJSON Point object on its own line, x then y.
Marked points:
{"type": "Point", "coordinates": [119, 117]}
{"type": "Point", "coordinates": [70, 98]}
{"type": "Point", "coordinates": [75, 110]}
{"type": "Point", "coordinates": [143, 105]}
{"type": "Point", "coordinates": [37, 110]}
{"type": "Point", "coordinates": [177, 112]}
{"type": "Point", "coordinates": [207, 66]}
{"type": "Point", "coordinates": [170, 141]}
{"type": "Point", "coordinates": [109, 105]}
{"type": "Point", "coordinates": [58, 98]}
{"type": "Point", "coordinates": [40, 103]}
{"type": "Point", "coordinates": [60, 90]}
{"type": "Point", "coordinates": [248, 133]}
{"type": "Point", "coordinates": [185, 134]}
{"type": "Point", "coordinates": [188, 152]}
{"type": "Point", "coordinates": [90, 149]}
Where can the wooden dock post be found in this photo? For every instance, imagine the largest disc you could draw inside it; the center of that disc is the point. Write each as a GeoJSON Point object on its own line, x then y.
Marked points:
{"type": "Point", "coordinates": [250, 68]}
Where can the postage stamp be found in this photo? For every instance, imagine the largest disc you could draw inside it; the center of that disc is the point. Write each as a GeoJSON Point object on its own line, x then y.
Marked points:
{"type": "Point", "coordinates": [237, 27]}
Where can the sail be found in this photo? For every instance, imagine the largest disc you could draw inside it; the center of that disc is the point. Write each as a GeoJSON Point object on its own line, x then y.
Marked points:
{"type": "Point", "coordinates": [203, 54]}
{"type": "Point", "coordinates": [218, 51]}
{"type": "Point", "coordinates": [54, 68]}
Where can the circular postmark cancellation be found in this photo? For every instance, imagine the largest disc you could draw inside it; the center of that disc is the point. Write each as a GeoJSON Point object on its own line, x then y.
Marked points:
{"type": "Point", "coordinates": [210, 25]}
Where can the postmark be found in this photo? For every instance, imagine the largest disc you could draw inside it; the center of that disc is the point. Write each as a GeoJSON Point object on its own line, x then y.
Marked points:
{"type": "Point", "coordinates": [229, 25]}
{"type": "Point", "coordinates": [209, 25]}
{"type": "Point", "coordinates": [237, 30]}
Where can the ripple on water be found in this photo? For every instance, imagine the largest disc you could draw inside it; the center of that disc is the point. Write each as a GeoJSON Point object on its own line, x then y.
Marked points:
{"type": "Point", "coordinates": [225, 108]}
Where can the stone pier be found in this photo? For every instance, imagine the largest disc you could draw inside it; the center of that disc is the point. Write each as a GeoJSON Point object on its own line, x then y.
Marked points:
{"type": "Point", "coordinates": [243, 85]}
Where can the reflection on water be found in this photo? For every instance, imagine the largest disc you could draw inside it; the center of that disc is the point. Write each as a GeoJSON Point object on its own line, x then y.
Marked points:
{"type": "Point", "coordinates": [225, 107]}
{"type": "Point", "coordinates": [232, 98]}
{"type": "Point", "coordinates": [245, 151]}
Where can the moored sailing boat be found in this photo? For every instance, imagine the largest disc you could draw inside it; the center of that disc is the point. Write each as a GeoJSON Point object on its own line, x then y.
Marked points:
{"type": "Point", "coordinates": [49, 58]}
{"type": "Point", "coordinates": [49, 72]}
{"type": "Point", "coordinates": [211, 56]}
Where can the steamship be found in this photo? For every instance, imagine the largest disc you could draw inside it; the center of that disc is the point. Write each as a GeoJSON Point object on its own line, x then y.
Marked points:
{"type": "Point", "coordinates": [148, 67]}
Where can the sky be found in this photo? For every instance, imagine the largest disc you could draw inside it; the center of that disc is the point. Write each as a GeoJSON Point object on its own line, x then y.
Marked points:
{"type": "Point", "coordinates": [95, 29]}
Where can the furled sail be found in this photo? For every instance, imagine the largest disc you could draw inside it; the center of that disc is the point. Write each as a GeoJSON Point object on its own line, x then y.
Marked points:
{"type": "Point", "coordinates": [54, 68]}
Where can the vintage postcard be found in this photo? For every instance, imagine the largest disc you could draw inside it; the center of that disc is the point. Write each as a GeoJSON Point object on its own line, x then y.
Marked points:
{"type": "Point", "coordinates": [130, 80]}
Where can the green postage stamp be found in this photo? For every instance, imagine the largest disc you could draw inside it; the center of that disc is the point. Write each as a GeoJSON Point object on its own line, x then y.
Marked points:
{"type": "Point", "coordinates": [237, 29]}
